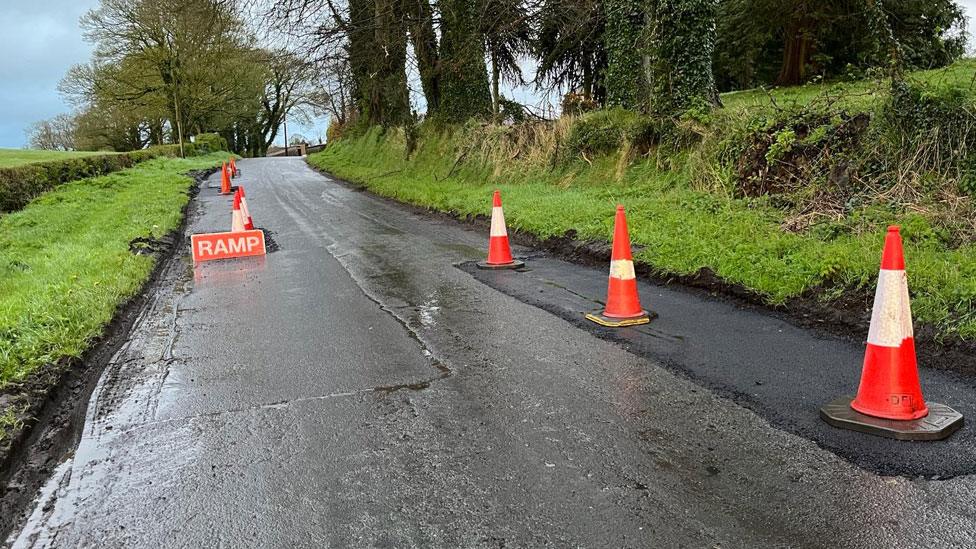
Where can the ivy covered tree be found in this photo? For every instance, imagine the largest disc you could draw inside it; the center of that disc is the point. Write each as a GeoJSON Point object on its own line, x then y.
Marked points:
{"type": "Point", "coordinates": [680, 46]}
{"type": "Point", "coordinates": [625, 76]}
{"type": "Point", "coordinates": [463, 72]}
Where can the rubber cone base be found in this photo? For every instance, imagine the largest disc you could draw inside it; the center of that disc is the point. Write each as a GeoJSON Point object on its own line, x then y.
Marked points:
{"type": "Point", "coordinates": [941, 422]}
{"type": "Point", "coordinates": [516, 264]}
{"type": "Point", "coordinates": [610, 322]}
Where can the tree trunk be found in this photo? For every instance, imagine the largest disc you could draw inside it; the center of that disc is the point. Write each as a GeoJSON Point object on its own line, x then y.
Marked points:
{"type": "Point", "coordinates": [390, 98]}
{"type": "Point", "coordinates": [679, 56]}
{"type": "Point", "coordinates": [495, 77]}
{"type": "Point", "coordinates": [624, 76]}
{"type": "Point", "coordinates": [796, 50]}
{"type": "Point", "coordinates": [425, 49]}
{"type": "Point", "coordinates": [463, 72]}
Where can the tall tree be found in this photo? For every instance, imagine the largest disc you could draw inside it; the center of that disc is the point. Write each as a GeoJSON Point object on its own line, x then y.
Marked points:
{"type": "Point", "coordinates": [625, 75]}
{"type": "Point", "coordinates": [192, 53]}
{"type": "Point", "coordinates": [463, 73]}
{"type": "Point", "coordinates": [54, 134]}
{"type": "Point", "coordinates": [570, 48]}
{"type": "Point", "coordinates": [682, 39]}
{"type": "Point", "coordinates": [508, 37]}
{"type": "Point", "coordinates": [420, 19]}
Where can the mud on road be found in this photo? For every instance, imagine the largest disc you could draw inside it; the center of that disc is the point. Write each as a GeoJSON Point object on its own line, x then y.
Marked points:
{"type": "Point", "coordinates": [52, 402]}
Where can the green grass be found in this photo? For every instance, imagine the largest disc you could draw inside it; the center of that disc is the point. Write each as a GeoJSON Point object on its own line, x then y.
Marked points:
{"type": "Point", "coordinates": [857, 95]}
{"type": "Point", "coordinates": [18, 157]}
{"type": "Point", "coordinates": [65, 263]}
{"type": "Point", "coordinates": [682, 230]}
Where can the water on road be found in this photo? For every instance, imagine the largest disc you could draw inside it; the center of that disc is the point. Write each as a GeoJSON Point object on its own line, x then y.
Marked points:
{"type": "Point", "coordinates": [354, 388]}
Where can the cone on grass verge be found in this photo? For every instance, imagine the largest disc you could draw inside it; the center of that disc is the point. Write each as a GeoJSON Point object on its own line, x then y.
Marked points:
{"type": "Point", "coordinates": [237, 216]}
{"type": "Point", "coordinates": [245, 212]}
{"type": "Point", "coordinates": [889, 400]}
{"type": "Point", "coordinates": [623, 303]}
{"type": "Point", "coordinates": [224, 179]}
{"type": "Point", "coordinates": [499, 251]}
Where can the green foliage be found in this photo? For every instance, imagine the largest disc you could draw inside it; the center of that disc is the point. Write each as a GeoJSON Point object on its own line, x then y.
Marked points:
{"type": "Point", "coordinates": [65, 263]}
{"type": "Point", "coordinates": [839, 38]}
{"type": "Point", "coordinates": [21, 184]}
{"type": "Point", "coordinates": [680, 47]}
{"type": "Point", "coordinates": [18, 157]}
{"type": "Point", "coordinates": [606, 131]}
{"type": "Point", "coordinates": [210, 142]}
{"type": "Point", "coordinates": [679, 229]}
{"type": "Point", "coordinates": [623, 39]}
{"type": "Point", "coordinates": [464, 89]}
{"type": "Point", "coordinates": [783, 141]}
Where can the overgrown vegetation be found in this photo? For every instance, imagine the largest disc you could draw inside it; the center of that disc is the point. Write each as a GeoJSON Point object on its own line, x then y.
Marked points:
{"type": "Point", "coordinates": [18, 157]}
{"type": "Point", "coordinates": [22, 183]}
{"type": "Point", "coordinates": [66, 263]}
{"type": "Point", "coordinates": [786, 197]}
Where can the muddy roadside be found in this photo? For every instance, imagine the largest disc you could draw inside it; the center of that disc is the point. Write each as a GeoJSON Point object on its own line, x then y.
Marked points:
{"type": "Point", "coordinates": [847, 316]}
{"type": "Point", "coordinates": [51, 403]}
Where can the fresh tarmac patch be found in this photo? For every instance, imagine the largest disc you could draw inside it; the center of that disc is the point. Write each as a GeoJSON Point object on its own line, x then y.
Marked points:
{"type": "Point", "coordinates": [782, 372]}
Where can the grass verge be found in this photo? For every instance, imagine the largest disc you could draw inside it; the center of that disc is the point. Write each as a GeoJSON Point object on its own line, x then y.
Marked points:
{"type": "Point", "coordinates": [18, 157]}
{"type": "Point", "coordinates": [66, 263]}
{"type": "Point", "coordinates": [679, 229]}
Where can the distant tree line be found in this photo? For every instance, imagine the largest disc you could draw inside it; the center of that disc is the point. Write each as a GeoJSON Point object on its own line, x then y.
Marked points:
{"type": "Point", "coordinates": [658, 56]}
{"type": "Point", "coordinates": [165, 69]}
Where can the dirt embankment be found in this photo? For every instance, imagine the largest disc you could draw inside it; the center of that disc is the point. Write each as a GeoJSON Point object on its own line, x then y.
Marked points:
{"type": "Point", "coordinates": [52, 402]}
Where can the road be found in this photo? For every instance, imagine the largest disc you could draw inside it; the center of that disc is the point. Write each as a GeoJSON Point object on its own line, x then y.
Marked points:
{"type": "Point", "coordinates": [359, 387]}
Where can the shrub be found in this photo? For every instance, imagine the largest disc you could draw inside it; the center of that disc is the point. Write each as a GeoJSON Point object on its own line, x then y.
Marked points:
{"type": "Point", "coordinates": [21, 184]}
{"type": "Point", "coordinates": [606, 131]}
{"type": "Point", "coordinates": [210, 142]}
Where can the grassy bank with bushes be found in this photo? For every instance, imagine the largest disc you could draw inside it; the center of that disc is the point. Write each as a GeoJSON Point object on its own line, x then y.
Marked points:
{"type": "Point", "coordinates": [19, 157]}
{"type": "Point", "coordinates": [25, 175]}
{"type": "Point", "coordinates": [785, 192]}
{"type": "Point", "coordinates": [66, 262]}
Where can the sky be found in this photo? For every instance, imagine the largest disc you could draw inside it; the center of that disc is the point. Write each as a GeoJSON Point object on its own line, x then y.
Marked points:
{"type": "Point", "coordinates": [41, 40]}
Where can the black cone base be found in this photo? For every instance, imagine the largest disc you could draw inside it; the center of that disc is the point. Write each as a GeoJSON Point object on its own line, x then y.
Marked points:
{"type": "Point", "coordinates": [941, 422]}
{"type": "Point", "coordinates": [516, 264]}
{"type": "Point", "coordinates": [610, 322]}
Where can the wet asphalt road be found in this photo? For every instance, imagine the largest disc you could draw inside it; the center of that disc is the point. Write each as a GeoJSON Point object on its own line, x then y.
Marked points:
{"type": "Point", "coordinates": [355, 388]}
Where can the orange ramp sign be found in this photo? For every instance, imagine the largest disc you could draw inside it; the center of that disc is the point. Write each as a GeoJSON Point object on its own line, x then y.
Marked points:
{"type": "Point", "coordinates": [210, 246]}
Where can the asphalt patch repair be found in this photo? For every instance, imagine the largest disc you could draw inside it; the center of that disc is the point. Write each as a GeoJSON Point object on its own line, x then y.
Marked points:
{"type": "Point", "coordinates": [782, 372]}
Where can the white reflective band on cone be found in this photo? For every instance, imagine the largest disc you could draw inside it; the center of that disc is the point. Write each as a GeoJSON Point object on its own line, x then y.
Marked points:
{"type": "Point", "coordinates": [497, 222]}
{"type": "Point", "coordinates": [622, 269]}
{"type": "Point", "coordinates": [891, 316]}
{"type": "Point", "coordinates": [237, 222]}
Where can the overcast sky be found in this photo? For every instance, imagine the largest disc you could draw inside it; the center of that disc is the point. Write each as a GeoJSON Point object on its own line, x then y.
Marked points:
{"type": "Point", "coordinates": [39, 40]}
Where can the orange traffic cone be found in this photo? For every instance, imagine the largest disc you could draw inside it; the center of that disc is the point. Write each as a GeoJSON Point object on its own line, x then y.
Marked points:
{"type": "Point", "coordinates": [237, 216]}
{"type": "Point", "coordinates": [224, 179]}
{"type": "Point", "coordinates": [248, 222]}
{"type": "Point", "coordinates": [889, 399]}
{"type": "Point", "coordinates": [499, 252]}
{"type": "Point", "coordinates": [233, 168]}
{"type": "Point", "coordinates": [623, 304]}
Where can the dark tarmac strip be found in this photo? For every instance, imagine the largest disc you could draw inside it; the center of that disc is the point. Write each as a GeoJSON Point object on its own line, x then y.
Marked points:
{"type": "Point", "coordinates": [355, 389]}
{"type": "Point", "coordinates": [782, 372]}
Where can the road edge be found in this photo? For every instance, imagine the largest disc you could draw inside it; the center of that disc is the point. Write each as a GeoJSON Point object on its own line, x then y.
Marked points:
{"type": "Point", "coordinates": [54, 421]}
{"type": "Point", "coordinates": [847, 317]}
